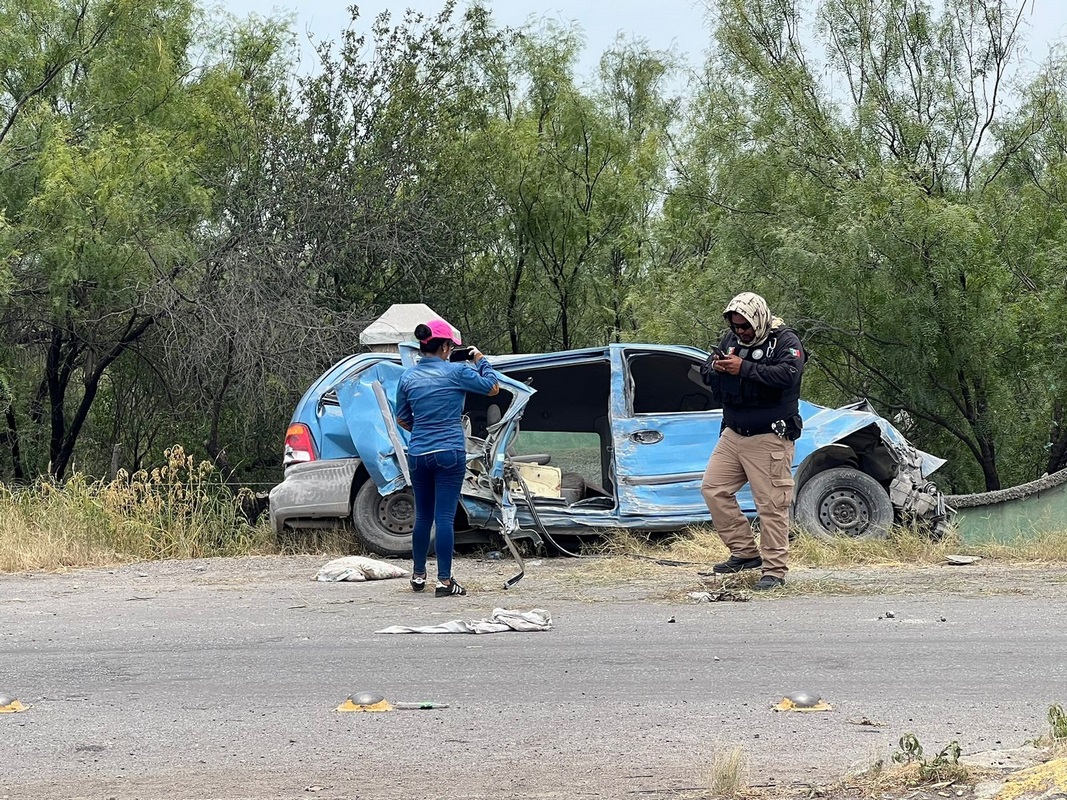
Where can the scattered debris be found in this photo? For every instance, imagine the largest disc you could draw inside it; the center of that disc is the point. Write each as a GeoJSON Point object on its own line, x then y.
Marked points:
{"type": "Point", "coordinates": [722, 595]}
{"type": "Point", "coordinates": [890, 615]}
{"type": "Point", "coordinates": [494, 555]}
{"type": "Point", "coordinates": [671, 619]}
{"type": "Point", "coordinates": [502, 620]}
{"type": "Point", "coordinates": [803, 701]}
{"type": "Point", "coordinates": [866, 722]}
{"type": "Point", "coordinates": [1009, 759]}
{"type": "Point", "coordinates": [961, 561]}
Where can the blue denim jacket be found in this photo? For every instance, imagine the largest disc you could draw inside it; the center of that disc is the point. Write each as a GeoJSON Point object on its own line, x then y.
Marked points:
{"type": "Point", "coordinates": [429, 399]}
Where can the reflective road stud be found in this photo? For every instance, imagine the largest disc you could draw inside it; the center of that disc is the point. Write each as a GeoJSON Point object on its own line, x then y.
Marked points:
{"type": "Point", "coordinates": [803, 701]}
{"type": "Point", "coordinates": [373, 701]}
{"type": "Point", "coordinates": [9, 705]}
{"type": "Point", "coordinates": [365, 701]}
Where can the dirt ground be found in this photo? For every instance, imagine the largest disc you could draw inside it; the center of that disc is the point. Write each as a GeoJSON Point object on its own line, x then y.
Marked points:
{"type": "Point", "coordinates": [633, 581]}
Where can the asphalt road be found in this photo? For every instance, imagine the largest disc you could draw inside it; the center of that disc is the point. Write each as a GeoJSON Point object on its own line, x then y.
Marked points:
{"type": "Point", "coordinates": [221, 679]}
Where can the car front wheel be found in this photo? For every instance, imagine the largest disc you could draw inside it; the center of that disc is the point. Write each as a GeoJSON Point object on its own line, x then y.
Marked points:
{"type": "Point", "coordinates": [384, 524]}
{"type": "Point", "coordinates": [844, 502]}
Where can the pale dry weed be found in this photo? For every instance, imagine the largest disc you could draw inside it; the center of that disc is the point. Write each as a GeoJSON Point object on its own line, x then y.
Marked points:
{"type": "Point", "coordinates": [728, 776]}
{"type": "Point", "coordinates": [178, 510]}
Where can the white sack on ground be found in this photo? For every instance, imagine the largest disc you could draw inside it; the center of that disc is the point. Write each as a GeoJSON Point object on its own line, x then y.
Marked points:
{"type": "Point", "coordinates": [358, 568]}
{"type": "Point", "coordinates": [536, 619]}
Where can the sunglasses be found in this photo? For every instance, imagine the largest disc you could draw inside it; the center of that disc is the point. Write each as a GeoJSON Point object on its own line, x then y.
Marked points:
{"type": "Point", "coordinates": [741, 326]}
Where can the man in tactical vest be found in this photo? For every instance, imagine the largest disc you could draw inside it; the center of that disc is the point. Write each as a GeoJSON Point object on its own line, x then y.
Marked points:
{"type": "Point", "coordinates": [755, 374]}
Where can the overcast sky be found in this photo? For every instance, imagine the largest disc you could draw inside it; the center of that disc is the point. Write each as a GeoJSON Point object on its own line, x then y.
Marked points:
{"type": "Point", "coordinates": [666, 24]}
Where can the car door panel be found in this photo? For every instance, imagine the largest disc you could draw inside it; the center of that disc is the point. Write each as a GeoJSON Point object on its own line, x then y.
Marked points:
{"type": "Point", "coordinates": [660, 458]}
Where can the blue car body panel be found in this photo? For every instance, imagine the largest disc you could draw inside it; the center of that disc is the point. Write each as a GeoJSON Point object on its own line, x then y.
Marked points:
{"type": "Point", "coordinates": [375, 434]}
{"type": "Point", "coordinates": [659, 458]}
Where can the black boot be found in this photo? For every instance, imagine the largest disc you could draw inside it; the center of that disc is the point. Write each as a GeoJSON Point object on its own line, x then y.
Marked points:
{"type": "Point", "coordinates": [735, 564]}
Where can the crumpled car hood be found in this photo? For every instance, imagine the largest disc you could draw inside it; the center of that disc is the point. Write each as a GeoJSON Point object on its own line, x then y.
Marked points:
{"type": "Point", "coordinates": [826, 426]}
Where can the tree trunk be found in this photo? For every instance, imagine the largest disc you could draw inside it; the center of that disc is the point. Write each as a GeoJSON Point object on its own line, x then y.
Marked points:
{"type": "Point", "coordinates": [135, 328]}
{"type": "Point", "coordinates": [18, 472]}
{"type": "Point", "coordinates": [1057, 455]}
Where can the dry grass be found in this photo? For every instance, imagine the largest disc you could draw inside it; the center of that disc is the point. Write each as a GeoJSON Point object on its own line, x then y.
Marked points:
{"type": "Point", "coordinates": [702, 547]}
{"type": "Point", "coordinates": [883, 781]}
{"type": "Point", "coordinates": [1047, 548]}
{"type": "Point", "coordinates": [728, 776]}
{"type": "Point", "coordinates": [179, 510]}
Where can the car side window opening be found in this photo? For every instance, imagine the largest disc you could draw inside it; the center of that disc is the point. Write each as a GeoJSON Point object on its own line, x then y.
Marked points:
{"type": "Point", "coordinates": [666, 383]}
{"type": "Point", "coordinates": [565, 425]}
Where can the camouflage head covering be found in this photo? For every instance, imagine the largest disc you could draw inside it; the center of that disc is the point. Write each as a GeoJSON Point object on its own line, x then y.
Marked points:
{"type": "Point", "coordinates": [753, 308]}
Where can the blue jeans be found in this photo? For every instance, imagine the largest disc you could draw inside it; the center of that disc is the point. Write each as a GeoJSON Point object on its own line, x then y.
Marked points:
{"type": "Point", "coordinates": [436, 480]}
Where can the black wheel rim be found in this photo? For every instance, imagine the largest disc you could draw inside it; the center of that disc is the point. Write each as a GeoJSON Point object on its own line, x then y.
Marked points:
{"type": "Point", "coordinates": [396, 513]}
{"type": "Point", "coordinates": [846, 511]}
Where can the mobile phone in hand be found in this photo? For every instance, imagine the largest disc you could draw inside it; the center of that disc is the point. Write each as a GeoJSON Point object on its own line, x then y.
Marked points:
{"type": "Point", "coordinates": [461, 354]}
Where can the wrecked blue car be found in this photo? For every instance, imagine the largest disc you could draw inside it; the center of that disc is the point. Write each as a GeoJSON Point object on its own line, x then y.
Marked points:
{"type": "Point", "coordinates": [578, 443]}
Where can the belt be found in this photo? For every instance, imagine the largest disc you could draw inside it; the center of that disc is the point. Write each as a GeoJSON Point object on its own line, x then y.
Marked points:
{"type": "Point", "coordinates": [750, 431]}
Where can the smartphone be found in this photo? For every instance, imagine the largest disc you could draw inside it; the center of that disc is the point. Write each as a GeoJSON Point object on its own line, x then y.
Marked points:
{"type": "Point", "coordinates": [717, 352]}
{"type": "Point", "coordinates": [461, 354]}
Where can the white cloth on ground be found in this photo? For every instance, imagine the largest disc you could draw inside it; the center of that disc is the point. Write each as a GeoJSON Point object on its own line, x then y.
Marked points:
{"type": "Point", "coordinates": [503, 619]}
{"type": "Point", "coordinates": [358, 568]}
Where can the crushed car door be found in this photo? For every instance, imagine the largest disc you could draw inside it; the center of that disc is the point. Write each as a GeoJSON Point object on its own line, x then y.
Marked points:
{"type": "Point", "coordinates": [663, 427]}
{"type": "Point", "coordinates": [366, 402]}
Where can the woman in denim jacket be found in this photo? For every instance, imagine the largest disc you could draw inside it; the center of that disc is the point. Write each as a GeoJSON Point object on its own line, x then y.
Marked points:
{"type": "Point", "coordinates": [429, 403]}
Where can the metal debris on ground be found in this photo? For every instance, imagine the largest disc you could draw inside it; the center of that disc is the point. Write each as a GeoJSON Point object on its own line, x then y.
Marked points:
{"type": "Point", "coordinates": [961, 561]}
{"type": "Point", "coordinates": [803, 701]}
{"type": "Point", "coordinates": [722, 595]}
{"type": "Point", "coordinates": [865, 722]}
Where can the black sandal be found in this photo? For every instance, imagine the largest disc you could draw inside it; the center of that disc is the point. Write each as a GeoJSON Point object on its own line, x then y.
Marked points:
{"type": "Point", "coordinates": [452, 589]}
{"type": "Point", "coordinates": [418, 582]}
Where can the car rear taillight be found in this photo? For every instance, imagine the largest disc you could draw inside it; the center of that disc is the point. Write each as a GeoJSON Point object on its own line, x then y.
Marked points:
{"type": "Point", "coordinates": [299, 446]}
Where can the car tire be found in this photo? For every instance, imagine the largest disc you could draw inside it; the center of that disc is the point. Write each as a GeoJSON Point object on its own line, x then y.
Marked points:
{"type": "Point", "coordinates": [384, 524]}
{"type": "Point", "coordinates": [844, 502]}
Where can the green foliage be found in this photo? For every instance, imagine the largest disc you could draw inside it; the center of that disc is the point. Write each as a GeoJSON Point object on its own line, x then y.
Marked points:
{"type": "Point", "coordinates": [889, 209]}
{"type": "Point", "coordinates": [1057, 721]}
{"type": "Point", "coordinates": [190, 233]}
{"type": "Point", "coordinates": [943, 766]}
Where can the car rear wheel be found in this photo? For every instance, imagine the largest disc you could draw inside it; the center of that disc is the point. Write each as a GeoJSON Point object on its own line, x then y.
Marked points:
{"type": "Point", "coordinates": [844, 502]}
{"type": "Point", "coordinates": [384, 524]}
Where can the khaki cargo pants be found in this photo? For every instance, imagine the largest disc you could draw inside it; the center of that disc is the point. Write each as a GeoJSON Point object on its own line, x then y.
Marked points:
{"type": "Point", "coordinates": [765, 462]}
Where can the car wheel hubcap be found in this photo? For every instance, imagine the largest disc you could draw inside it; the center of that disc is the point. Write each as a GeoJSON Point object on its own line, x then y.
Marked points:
{"type": "Point", "coordinates": [396, 513]}
{"type": "Point", "coordinates": [846, 511]}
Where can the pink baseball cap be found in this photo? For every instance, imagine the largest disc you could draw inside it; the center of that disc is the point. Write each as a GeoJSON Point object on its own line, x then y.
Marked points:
{"type": "Point", "coordinates": [439, 329]}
